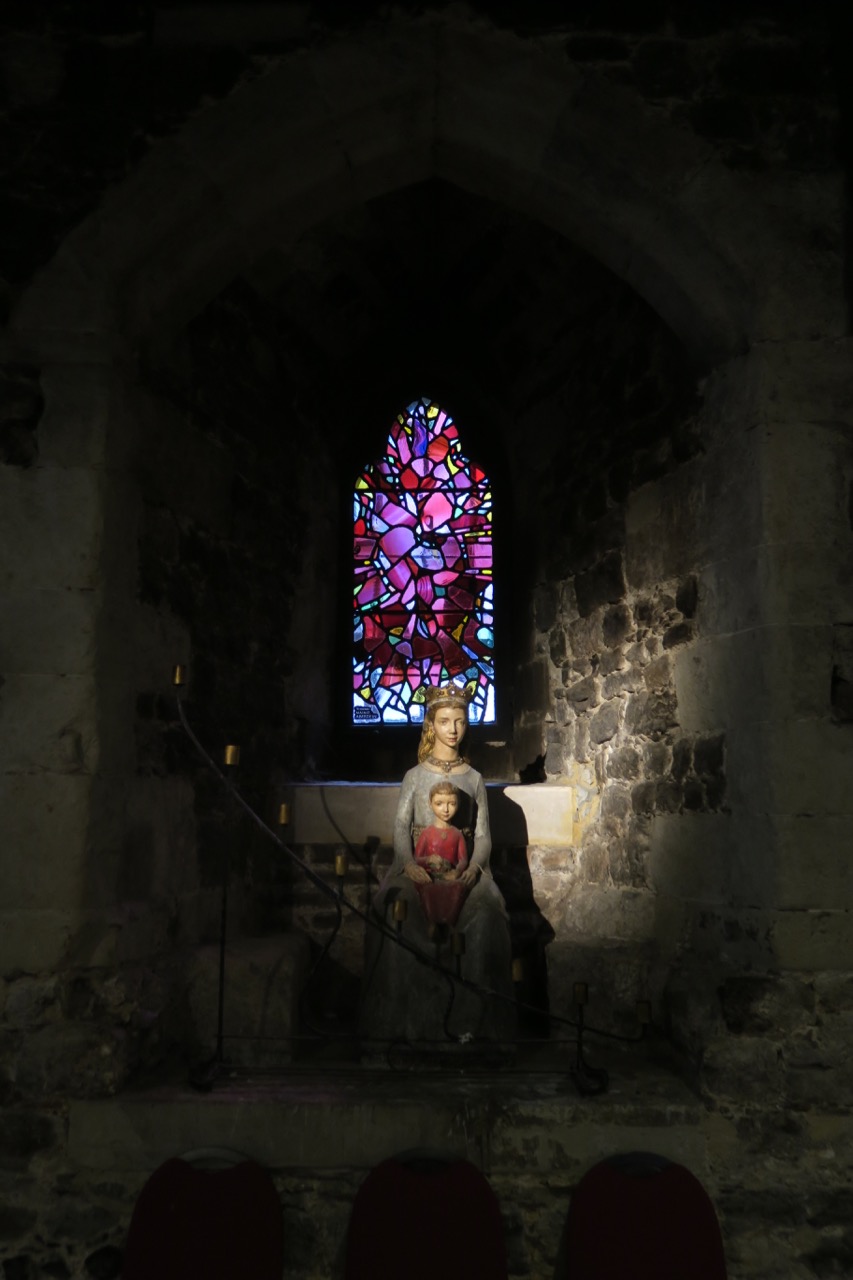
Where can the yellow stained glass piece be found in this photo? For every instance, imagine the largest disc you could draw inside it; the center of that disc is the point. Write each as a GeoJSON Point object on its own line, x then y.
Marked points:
{"type": "Point", "coordinates": [432, 411]}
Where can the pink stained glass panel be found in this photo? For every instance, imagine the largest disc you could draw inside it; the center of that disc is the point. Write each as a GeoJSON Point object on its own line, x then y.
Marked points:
{"type": "Point", "coordinates": [424, 602]}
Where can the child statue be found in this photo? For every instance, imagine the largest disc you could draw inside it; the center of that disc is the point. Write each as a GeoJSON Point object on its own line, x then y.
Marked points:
{"type": "Point", "coordinates": [442, 851]}
{"type": "Point", "coordinates": [441, 847]}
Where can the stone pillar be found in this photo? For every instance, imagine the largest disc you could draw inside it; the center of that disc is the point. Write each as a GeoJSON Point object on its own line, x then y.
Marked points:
{"type": "Point", "coordinates": [765, 517]}
{"type": "Point", "coordinates": [52, 521]}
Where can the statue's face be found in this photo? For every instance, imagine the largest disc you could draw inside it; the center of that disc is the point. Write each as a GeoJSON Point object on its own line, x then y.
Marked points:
{"type": "Point", "coordinates": [444, 804]}
{"type": "Point", "coordinates": [450, 724]}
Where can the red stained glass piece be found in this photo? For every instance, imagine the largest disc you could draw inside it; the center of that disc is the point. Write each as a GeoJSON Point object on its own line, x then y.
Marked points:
{"type": "Point", "coordinates": [437, 510]}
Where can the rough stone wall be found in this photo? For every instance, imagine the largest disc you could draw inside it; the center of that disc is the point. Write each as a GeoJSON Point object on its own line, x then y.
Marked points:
{"type": "Point", "coordinates": [615, 409]}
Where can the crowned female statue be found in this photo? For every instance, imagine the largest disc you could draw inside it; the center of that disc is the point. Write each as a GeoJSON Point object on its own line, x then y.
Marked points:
{"type": "Point", "coordinates": [403, 998]}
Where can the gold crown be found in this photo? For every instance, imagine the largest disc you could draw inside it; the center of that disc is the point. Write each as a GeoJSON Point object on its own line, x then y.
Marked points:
{"type": "Point", "coordinates": [439, 695]}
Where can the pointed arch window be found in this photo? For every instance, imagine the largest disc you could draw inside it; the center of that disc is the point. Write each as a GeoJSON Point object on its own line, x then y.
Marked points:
{"type": "Point", "coordinates": [423, 573]}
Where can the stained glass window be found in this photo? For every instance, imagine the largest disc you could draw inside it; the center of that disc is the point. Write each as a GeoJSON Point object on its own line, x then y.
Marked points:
{"type": "Point", "coordinates": [423, 589]}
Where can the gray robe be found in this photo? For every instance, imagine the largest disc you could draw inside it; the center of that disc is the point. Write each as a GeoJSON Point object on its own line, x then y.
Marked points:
{"type": "Point", "coordinates": [402, 999]}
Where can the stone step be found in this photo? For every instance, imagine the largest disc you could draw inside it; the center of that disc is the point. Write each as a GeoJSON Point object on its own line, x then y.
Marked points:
{"type": "Point", "coordinates": [317, 1119]}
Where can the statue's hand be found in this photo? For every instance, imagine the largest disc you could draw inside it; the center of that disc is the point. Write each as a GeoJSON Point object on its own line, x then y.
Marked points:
{"type": "Point", "coordinates": [419, 874]}
{"type": "Point", "coordinates": [469, 875]}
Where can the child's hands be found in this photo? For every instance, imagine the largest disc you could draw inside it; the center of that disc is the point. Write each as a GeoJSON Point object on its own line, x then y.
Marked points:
{"type": "Point", "coordinates": [420, 875]}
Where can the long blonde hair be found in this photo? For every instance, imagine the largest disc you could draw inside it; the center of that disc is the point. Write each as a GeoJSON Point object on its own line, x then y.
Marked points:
{"type": "Point", "coordinates": [427, 741]}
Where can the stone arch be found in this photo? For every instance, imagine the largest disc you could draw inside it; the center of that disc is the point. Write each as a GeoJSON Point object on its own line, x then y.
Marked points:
{"type": "Point", "coordinates": [508, 119]}
{"type": "Point", "coordinates": [511, 120]}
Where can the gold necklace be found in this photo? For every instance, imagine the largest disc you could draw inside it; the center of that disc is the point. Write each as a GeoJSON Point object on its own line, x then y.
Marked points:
{"type": "Point", "coordinates": [445, 765]}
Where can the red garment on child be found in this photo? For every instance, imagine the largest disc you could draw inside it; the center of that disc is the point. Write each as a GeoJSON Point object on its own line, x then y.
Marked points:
{"type": "Point", "coordinates": [442, 899]}
{"type": "Point", "coordinates": [447, 843]}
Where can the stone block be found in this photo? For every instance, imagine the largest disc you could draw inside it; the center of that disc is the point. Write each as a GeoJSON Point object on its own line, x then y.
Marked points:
{"type": "Point", "coordinates": [77, 413]}
{"type": "Point", "coordinates": [624, 763]}
{"type": "Point", "coordinates": [605, 723]}
{"type": "Point", "coordinates": [762, 1004]}
{"type": "Point", "coordinates": [382, 96]}
{"type": "Point", "coordinates": [24, 1134]}
{"type": "Point", "coordinates": [570, 1144]}
{"type": "Point", "coordinates": [598, 914]}
{"type": "Point", "coordinates": [67, 313]}
{"type": "Point", "coordinates": [617, 976]}
{"type": "Point", "coordinates": [791, 584]}
{"type": "Point", "coordinates": [72, 1059]}
{"type": "Point", "coordinates": [806, 471]}
{"type": "Point", "coordinates": [264, 978]}
{"type": "Point", "coordinates": [694, 516]}
{"type": "Point", "coordinates": [810, 763]}
{"type": "Point", "coordinates": [583, 694]}
{"type": "Point", "coordinates": [160, 641]}
{"type": "Point", "coordinates": [33, 941]}
{"type": "Point", "coordinates": [48, 631]}
{"type": "Point", "coordinates": [490, 101]}
{"type": "Point", "coordinates": [781, 383]}
{"type": "Point", "coordinates": [30, 1002]}
{"type": "Point", "coordinates": [545, 814]}
{"type": "Point", "coordinates": [49, 723]}
{"type": "Point", "coordinates": [813, 867]}
{"type": "Point", "coordinates": [317, 1127]}
{"type": "Point", "coordinates": [50, 528]}
{"type": "Point", "coordinates": [767, 673]}
{"type": "Point", "coordinates": [45, 852]}
{"type": "Point", "coordinates": [714, 858]}
{"type": "Point", "coordinates": [743, 1067]}
{"type": "Point", "coordinates": [174, 450]}
{"type": "Point", "coordinates": [602, 584]}
{"type": "Point", "coordinates": [813, 940]}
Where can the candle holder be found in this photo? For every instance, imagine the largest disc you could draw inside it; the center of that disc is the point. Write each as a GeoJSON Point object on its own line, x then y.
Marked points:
{"type": "Point", "coordinates": [438, 933]}
{"type": "Point", "coordinates": [518, 970]}
{"type": "Point", "coordinates": [457, 946]}
{"type": "Point", "coordinates": [589, 1080]}
{"type": "Point", "coordinates": [231, 756]}
{"type": "Point", "coordinates": [179, 674]}
{"type": "Point", "coordinates": [341, 869]}
{"type": "Point", "coordinates": [400, 911]}
{"type": "Point", "coordinates": [283, 815]}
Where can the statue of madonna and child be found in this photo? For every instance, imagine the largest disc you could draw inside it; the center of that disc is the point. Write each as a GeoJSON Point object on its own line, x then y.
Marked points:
{"type": "Point", "coordinates": [440, 871]}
